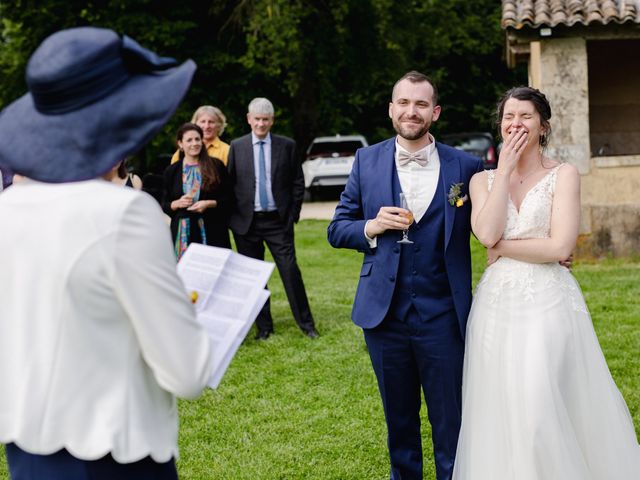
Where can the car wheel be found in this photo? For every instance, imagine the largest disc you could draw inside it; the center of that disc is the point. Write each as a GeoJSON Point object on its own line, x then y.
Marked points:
{"type": "Point", "coordinates": [308, 195]}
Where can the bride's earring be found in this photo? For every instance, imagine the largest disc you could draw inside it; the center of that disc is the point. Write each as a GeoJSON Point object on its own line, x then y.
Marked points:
{"type": "Point", "coordinates": [544, 137]}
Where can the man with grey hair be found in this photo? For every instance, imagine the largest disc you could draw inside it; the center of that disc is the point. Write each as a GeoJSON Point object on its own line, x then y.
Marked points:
{"type": "Point", "coordinates": [269, 187]}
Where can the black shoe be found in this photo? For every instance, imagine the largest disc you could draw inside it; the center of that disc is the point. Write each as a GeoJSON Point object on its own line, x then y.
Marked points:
{"type": "Point", "coordinates": [263, 334]}
{"type": "Point", "coordinates": [311, 332]}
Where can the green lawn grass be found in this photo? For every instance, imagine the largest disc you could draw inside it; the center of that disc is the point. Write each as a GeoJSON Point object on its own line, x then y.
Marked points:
{"type": "Point", "coordinates": [295, 408]}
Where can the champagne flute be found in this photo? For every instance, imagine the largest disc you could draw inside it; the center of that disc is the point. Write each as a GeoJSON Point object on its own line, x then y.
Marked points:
{"type": "Point", "coordinates": [405, 204]}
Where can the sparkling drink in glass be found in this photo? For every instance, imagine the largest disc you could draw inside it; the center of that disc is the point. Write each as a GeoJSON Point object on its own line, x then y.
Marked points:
{"type": "Point", "coordinates": [405, 204]}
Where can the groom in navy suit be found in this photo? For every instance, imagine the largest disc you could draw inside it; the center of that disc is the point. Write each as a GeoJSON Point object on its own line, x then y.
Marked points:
{"type": "Point", "coordinates": [412, 300]}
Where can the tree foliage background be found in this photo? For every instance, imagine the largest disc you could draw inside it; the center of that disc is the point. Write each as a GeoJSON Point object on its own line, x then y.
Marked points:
{"type": "Point", "coordinates": [327, 65]}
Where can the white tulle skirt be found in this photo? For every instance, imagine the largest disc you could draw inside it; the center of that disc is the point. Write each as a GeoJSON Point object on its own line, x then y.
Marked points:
{"type": "Point", "coordinates": [538, 400]}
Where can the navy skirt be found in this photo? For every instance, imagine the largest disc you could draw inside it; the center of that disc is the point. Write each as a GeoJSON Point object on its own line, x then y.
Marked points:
{"type": "Point", "coordinates": [64, 466]}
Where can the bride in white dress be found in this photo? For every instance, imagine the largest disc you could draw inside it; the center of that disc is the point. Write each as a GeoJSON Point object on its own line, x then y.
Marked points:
{"type": "Point", "coordinates": [538, 400]}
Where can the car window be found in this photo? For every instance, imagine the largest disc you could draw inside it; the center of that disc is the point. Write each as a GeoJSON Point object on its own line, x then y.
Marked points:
{"type": "Point", "coordinates": [328, 149]}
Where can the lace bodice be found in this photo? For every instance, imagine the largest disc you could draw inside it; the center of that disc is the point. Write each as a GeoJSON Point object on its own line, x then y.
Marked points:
{"type": "Point", "coordinates": [534, 218]}
{"type": "Point", "coordinates": [530, 279]}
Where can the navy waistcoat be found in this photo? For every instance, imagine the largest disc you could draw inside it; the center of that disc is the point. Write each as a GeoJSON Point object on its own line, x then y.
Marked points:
{"type": "Point", "coordinates": [422, 279]}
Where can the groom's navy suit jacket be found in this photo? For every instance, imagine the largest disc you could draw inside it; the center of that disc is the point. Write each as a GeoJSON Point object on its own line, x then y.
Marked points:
{"type": "Point", "coordinates": [373, 184]}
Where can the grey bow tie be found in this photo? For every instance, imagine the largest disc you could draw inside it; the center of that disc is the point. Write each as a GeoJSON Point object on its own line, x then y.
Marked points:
{"type": "Point", "coordinates": [421, 157]}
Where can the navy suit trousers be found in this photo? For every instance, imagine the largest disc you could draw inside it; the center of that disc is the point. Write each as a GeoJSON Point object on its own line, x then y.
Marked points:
{"type": "Point", "coordinates": [269, 229]}
{"type": "Point", "coordinates": [409, 355]}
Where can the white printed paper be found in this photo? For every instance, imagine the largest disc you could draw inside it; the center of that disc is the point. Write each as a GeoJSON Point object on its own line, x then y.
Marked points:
{"type": "Point", "coordinates": [230, 293]}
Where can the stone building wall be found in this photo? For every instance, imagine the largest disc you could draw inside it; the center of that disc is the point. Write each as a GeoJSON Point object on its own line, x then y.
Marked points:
{"type": "Point", "coordinates": [610, 185]}
{"type": "Point", "coordinates": [564, 79]}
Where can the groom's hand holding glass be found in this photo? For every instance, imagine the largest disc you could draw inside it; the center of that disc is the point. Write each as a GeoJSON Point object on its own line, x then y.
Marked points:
{"type": "Point", "coordinates": [390, 218]}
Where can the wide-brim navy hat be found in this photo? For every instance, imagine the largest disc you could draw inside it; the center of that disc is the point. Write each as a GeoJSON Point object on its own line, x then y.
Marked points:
{"type": "Point", "coordinates": [94, 98]}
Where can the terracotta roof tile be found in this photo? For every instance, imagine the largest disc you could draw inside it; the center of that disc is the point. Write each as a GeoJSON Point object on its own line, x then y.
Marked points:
{"type": "Point", "coordinates": [536, 13]}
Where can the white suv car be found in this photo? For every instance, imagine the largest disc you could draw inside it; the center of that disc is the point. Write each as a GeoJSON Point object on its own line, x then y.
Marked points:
{"type": "Point", "coordinates": [329, 161]}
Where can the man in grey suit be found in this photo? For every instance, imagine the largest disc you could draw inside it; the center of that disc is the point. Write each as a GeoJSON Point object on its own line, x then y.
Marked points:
{"type": "Point", "coordinates": [269, 187]}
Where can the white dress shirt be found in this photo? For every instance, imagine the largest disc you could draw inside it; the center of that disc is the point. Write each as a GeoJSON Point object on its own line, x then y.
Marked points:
{"type": "Point", "coordinates": [418, 183]}
{"type": "Point", "coordinates": [97, 334]}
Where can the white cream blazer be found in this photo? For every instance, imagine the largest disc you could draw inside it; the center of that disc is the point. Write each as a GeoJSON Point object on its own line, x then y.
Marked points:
{"type": "Point", "coordinates": [97, 334]}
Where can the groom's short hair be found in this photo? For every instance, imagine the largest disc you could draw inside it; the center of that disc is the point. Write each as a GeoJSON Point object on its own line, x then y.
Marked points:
{"type": "Point", "coordinates": [416, 77]}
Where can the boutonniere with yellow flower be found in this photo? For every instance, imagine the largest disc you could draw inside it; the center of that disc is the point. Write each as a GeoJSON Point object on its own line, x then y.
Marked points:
{"type": "Point", "coordinates": [455, 200]}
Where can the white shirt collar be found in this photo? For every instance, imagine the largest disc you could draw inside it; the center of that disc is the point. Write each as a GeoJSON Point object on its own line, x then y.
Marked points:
{"type": "Point", "coordinates": [255, 139]}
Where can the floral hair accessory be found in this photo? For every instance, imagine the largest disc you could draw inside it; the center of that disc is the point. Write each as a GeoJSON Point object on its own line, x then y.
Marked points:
{"type": "Point", "coordinates": [454, 198]}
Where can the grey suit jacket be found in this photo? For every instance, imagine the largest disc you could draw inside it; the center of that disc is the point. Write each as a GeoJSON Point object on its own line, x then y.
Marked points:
{"type": "Point", "coordinates": [287, 181]}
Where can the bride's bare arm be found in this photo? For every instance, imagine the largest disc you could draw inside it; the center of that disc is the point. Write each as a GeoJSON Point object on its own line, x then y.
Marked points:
{"type": "Point", "coordinates": [489, 208]}
{"type": "Point", "coordinates": [565, 224]}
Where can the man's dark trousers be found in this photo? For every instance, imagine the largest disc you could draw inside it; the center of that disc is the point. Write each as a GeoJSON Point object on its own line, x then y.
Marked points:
{"type": "Point", "coordinates": [268, 228]}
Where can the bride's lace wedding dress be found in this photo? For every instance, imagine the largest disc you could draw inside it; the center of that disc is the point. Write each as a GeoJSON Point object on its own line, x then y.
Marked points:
{"type": "Point", "coordinates": [538, 400]}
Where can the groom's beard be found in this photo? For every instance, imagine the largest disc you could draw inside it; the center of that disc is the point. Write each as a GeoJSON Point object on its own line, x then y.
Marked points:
{"type": "Point", "coordinates": [412, 131]}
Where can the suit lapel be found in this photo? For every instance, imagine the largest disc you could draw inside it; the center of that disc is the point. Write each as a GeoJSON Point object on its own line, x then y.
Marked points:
{"type": "Point", "coordinates": [450, 174]}
{"type": "Point", "coordinates": [247, 147]}
{"type": "Point", "coordinates": [385, 175]}
{"type": "Point", "coordinates": [276, 155]}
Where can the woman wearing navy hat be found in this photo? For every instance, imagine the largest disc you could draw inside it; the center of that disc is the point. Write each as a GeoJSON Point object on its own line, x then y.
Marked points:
{"type": "Point", "coordinates": [93, 347]}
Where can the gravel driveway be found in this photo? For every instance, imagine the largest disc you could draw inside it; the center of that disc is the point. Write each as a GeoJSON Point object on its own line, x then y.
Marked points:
{"type": "Point", "coordinates": [318, 210]}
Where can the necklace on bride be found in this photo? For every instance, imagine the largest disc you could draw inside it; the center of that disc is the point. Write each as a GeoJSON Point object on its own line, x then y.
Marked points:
{"type": "Point", "coordinates": [522, 179]}
{"type": "Point", "coordinates": [535, 169]}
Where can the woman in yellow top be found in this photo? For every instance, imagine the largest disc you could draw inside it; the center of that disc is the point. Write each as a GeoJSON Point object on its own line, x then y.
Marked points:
{"type": "Point", "coordinates": [212, 122]}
